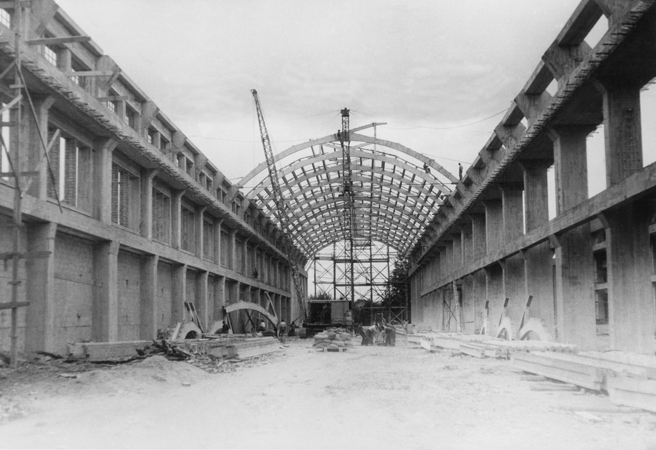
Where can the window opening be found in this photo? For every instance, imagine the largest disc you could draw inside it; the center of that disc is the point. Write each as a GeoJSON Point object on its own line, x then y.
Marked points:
{"type": "Point", "coordinates": [161, 216]}
{"type": "Point", "coordinates": [125, 189]}
{"type": "Point", "coordinates": [5, 18]}
{"type": "Point", "coordinates": [51, 55]}
{"type": "Point", "coordinates": [188, 238]}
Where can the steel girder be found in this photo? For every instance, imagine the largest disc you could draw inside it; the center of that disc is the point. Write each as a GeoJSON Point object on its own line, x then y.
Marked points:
{"type": "Point", "coordinates": [397, 193]}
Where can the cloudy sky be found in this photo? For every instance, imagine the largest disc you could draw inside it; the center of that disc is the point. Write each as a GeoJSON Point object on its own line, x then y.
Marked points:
{"type": "Point", "coordinates": [427, 68]}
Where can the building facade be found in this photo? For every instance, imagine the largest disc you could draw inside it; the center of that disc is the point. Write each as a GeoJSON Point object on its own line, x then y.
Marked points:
{"type": "Point", "coordinates": [493, 261]}
{"type": "Point", "coordinates": [129, 220]}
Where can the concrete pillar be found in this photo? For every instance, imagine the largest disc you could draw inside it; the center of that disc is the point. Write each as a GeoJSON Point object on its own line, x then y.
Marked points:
{"type": "Point", "coordinates": [40, 291]}
{"type": "Point", "coordinates": [232, 263]}
{"type": "Point", "coordinates": [632, 319]}
{"type": "Point", "coordinates": [203, 299]}
{"type": "Point", "coordinates": [200, 231]}
{"type": "Point", "coordinates": [103, 179]}
{"type": "Point", "coordinates": [494, 233]}
{"type": "Point", "coordinates": [622, 131]}
{"type": "Point", "coordinates": [147, 176]}
{"type": "Point", "coordinates": [179, 296]}
{"type": "Point", "coordinates": [479, 289]}
{"type": "Point", "coordinates": [245, 263]}
{"type": "Point", "coordinates": [104, 325]}
{"type": "Point", "coordinates": [494, 295]}
{"type": "Point", "coordinates": [176, 219]}
{"type": "Point", "coordinates": [149, 297]}
{"type": "Point", "coordinates": [575, 304]}
{"type": "Point", "coordinates": [38, 185]}
{"type": "Point", "coordinates": [467, 244]}
{"type": "Point", "coordinates": [512, 211]}
{"type": "Point", "coordinates": [514, 287]}
{"type": "Point", "coordinates": [539, 259]}
{"type": "Point", "coordinates": [220, 297]}
{"type": "Point", "coordinates": [217, 242]}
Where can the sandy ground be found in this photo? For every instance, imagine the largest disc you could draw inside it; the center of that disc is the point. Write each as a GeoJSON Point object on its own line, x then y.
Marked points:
{"type": "Point", "coordinates": [368, 397]}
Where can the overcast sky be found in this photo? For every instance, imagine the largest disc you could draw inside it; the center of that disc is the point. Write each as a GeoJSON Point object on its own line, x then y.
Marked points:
{"type": "Point", "coordinates": [424, 67]}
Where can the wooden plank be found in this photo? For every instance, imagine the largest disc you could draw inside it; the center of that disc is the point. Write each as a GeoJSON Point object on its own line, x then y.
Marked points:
{"type": "Point", "coordinates": [90, 73]}
{"type": "Point", "coordinates": [634, 392]}
{"type": "Point", "coordinates": [11, 305]}
{"type": "Point", "coordinates": [113, 98]}
{"type": "Point", "coordinates": [568, 372]}
{"type": "Point", "coordinates": [445, 343]}
{"type": "Point", "coordinates": [553, 387]}
{"type": "Point", "coordinates": [58, 40]}
{"type": "Point", "coordinates": [607, 365]}
{"type": "Point", "coordinates": [100, 351]}
{"type": "Point", "coordinates": [472, 350]}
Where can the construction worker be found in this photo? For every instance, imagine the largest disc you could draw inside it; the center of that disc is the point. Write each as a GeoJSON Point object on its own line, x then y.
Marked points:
{"type": "Point", "coordinates": [282, 329]}
{"type": "Point", "coordinates": [262, 327]}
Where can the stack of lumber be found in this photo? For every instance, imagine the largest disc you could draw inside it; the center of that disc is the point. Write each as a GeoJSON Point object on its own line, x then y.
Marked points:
{"type": "Point", "coordinates": [106, 351]}
{"type": "Point", "coordinates": [629, 379]}
{"type": "Point", "coordinates": [252, 347]}
{"type": "Point", "coordinates": [333, 339]}
{"type": "Point", "coordinates": [481, 346]}
{"type": "Point", "coordinates": [227, 347]}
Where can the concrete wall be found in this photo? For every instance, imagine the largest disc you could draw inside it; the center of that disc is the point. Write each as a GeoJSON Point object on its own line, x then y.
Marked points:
{"type": "Point", "coordinates": [74, 290]}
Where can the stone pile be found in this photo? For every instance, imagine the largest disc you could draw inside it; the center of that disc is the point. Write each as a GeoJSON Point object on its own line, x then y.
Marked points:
{"type": "Point", "coordinates": [333, 339]}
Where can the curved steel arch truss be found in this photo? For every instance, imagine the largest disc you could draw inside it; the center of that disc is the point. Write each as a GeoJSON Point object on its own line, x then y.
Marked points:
{"type": "Point", "coordinates": [397, 191]}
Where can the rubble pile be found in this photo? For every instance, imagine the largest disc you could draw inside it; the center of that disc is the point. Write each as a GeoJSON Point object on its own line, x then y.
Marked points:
{"type": "Point", "coordinates": [333, 339]}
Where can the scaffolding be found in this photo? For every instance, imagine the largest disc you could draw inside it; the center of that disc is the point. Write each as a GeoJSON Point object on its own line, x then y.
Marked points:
{"type": "Point", "coordinates": [372, 264]}
{"type": "Point", "coordinates": [16, 156]}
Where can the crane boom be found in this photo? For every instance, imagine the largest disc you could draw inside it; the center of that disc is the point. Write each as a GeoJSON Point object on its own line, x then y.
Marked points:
{"type": "Point", "coordinates": [281, 208]}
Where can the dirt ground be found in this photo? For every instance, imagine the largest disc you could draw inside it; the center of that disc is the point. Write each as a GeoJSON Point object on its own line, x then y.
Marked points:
{"type": "Point", "coordinates": [399, 397]}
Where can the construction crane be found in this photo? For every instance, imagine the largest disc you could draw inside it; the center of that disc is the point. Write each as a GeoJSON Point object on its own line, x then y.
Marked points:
{"type": "Point", "coordinates": [281, 208]}
{"type": "Point", "coordinates": [348, 224]}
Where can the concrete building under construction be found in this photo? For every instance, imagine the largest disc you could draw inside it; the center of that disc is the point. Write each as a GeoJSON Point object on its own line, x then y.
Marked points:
{"type": "Point", "coordinates": [116, 225]}
{"type": "Point", "coordinates": [127, 220]}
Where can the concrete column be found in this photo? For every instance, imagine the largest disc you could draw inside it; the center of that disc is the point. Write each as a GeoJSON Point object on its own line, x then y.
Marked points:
{"type": "Point", "coordinates": [147, 176]}
{"type": "Point", "coordinates": [217, 242]}
{"type": "Point", "coordinates": [245, 263]}
{"type": "Point", "coordinates": [467, 244]}
{"type": "Point", "coordinates": [149, 297]}
{"type": "Point", "coordinates": [104, 325]}
{"type": "Point", "coordinates": [622, 131]}
{"type": "Point", "coordinates": [512, 211]}
{"type": "Point", "coordinates": [220, 298]}
{"type": "Point", "coordinates": [103, 179]}
{"type": "Point", "coordinates": [232, 260]}
{"type": "Point", "coordinates": [179, 292]}
{"type": "Point", "coordinates": [539, 259]}
{"type": "Point", "coordinates": [514, 287]}
{"type": "Point", "coordinates": [575, 304]}
{"type": "Point", "coordinates": [200, 234]}
{"type": "Point", "coordinates": [494, 295]}
{"type": "Point", "coordinates": [38, 185]}
{"type": "Point", "coordinates": [571, 166]}
{"type": "Point", "coordinates": [479, 294]}
{"type": "Point", "coordinates": [40, 291]}
{"type": "Point", "coordinates": [494, 233]}
{"type": "Point", "coordinates": [203, 299]}
{"type": "Point", "coordinates": [631, 313]}
{"type": "Point", "coordinates": [176, 218]}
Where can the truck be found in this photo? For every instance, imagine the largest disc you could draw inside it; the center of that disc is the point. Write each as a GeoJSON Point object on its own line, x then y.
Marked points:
{"type": "Point", "coordinates": [323, 314]}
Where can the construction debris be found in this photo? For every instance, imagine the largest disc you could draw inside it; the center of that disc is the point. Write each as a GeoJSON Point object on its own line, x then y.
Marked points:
{"type": "Point", "coordinates": [333, 339]}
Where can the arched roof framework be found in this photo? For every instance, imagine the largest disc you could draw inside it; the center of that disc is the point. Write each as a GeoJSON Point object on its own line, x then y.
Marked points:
{"type": "Point", "coordinates": [396, 191]}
